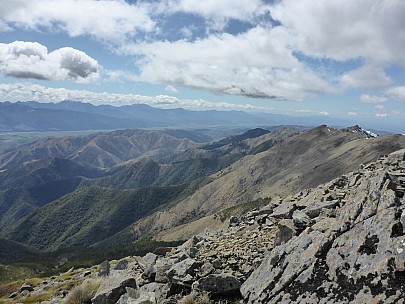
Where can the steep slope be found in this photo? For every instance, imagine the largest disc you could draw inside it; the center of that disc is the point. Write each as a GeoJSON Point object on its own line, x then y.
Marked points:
{"type": "Point", "coordinates": [88, 216]}
{"type": "Point", "coordinates": [303, 161]}
{"type": "Point", "coordinates": [27, 186]}
{"type": "Point", "coordinates": [39, 172]}
{"type": "Point", "coordinates": [146, 172]}
{"type": "Point", "coordinates": [250, 142]}
{"type": "Point", "coordinates": [30, 185]}
{"type": "Point", "coordinates": [101, 150]}
{"type": "Point", "coordinates": [127, 175]}
{"type": "Point", "coordinates": [14, 205]}
{"type": "Point", "coordinates": [14, 251]}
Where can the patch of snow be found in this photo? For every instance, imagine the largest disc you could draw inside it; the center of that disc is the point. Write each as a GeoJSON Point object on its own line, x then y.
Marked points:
{"type": "Point", "coordinates": [371, 134]}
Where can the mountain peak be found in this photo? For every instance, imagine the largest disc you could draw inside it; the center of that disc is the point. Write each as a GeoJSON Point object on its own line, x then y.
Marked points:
{"type": "Point", "coordinates": [358, 129]}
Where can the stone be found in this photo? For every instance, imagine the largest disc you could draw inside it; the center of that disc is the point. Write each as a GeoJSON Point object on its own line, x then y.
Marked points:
{"type": "Point", "coordinates": [216, 263]}
{"type": "Point", "coordinates": [267, 210]}
{"type": "Point", "coordinates": [301, 220]}
{"type": "Point", "coordinates": [24, 293]}
{"type": "Point", "coordinates": [121, 265]}
{"type": "Point", "coordinates": [150, 258]}
{"type": "Point", "coordinates": [182, 268]}
{"type": "Point", "coordinates": [192, 252]}
{"type": "Point", "coordinates": [234, 220]}
{"type": "Point", "coordinates": [218, 284]}
{"type": "Point", "coordinates": [206, 269]}
{"type": "Point", "coordinates": [135, 296]}
{"type": "Point", "coordinates": [315, 209]}
{"type": "Point", "coordinates": [27, 287]}
{"type": "Point", "coordinates": [113, 288]}
{"type": "Point", "coordinates": [13, 295]}
{"type": "Point", "coordinates": [144, 298]}
{"type": "Point", "coordinates": [160, 290]}
{"type": "Point", "coordinates": [284, 211]}
{"type": "Point", "coordinates": [161, 266]}
{"type": "Point", "coordinates": [149, 273]}
{"type": "Point", "coordinates": [188, 244]}
{"type": "Point", "coordinates": [286, 231]}
{"type": "Point", "coordinates": [104, 269]}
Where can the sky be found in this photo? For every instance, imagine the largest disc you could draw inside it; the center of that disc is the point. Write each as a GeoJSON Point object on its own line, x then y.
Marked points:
{"type": "Point", "coordinates": [343, 59]}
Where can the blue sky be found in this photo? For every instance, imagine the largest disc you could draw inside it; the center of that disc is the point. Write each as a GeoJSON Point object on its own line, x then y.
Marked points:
{"type": "Point", "coordinates": [340, 59]}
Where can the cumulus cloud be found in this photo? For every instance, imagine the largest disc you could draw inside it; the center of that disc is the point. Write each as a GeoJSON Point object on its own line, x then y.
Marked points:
{"type": "Point", "coordinates": [367, 76]}
{"type": "Point", "coordinates": [344, 30]}
{"type": "Point", "coordinates": [256, 63]}
{"type": "Point", "coordinates": [217, 13]}
{"type": "Point", "coordinates": [268, 60]}
{"type": "Point", "coordinates": [263, 61]}
{"type": "Point", "coordinates": [397, 93]}
{"type": "Point", "coordinates": [323, 113]}
{"type": "Point", "coordinates": [120, 76]}
{"type": "Point", "coordinates": [352, 113]}
{"type": "Point", "coordinates": [20, 91]}
{"type": "Point", "coordinates": [32, 60]}
{"type": "Point", "coordinates": [105, 20]}
{"type": "Point", "coordinates": [381, 112]}
{"type": "Point", "coordinates": [372, 99]}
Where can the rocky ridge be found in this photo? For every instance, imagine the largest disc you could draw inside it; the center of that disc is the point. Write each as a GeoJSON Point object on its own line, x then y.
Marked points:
{"type": "Point", "coordinates": [342, 242]}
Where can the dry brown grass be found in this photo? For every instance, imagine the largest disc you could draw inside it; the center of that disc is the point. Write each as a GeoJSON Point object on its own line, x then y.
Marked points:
{"type": "Point", "coordinates": [203, 298]}
{"type": "Point", "coordinates": [83, 293]}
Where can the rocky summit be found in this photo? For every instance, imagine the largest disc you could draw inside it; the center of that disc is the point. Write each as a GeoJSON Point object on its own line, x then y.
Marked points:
{"type": "Point", "coordinates": [342, 242]}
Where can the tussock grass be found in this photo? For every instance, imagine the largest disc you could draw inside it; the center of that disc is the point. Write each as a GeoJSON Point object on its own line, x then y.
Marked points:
{"type": "Point", "coordinates": [37, 298]}
{"type": "Point", "coordinates": [83, 293]}
{"type": "Point", "coordinates": [202, 298]}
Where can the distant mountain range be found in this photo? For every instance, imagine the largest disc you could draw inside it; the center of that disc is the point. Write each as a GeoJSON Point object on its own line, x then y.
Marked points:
{"type": "Point", "coordinates": [75, 116]}
{"type": "Point", "coordinates": [108, 189]}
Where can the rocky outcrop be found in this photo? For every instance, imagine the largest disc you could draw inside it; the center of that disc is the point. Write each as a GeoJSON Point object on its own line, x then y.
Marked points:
{"type": "Point", "coordinates": [351, 251]}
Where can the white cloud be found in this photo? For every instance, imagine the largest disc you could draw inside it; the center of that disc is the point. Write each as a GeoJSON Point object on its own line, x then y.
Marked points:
{"type": "Point", "coordinates": [171, 89]}
{"type": "Point", "coordinates": [345, 29]}
{"type": "Point", "coordinates": [21, 92]}
{"type": "Point", "coordinates": [301, 110]}
{"type": "Point", "coordinates": [397, 93]}
{"type": "Point", "coordinates": [381, 112]}
{"type": "Point", "coordinates": [32, 60]}
{"type": "Point", "coordinates": [372, 99]}
{"type": "Point", "coordinates": [120, 76]}
{"type": "Point", "coordinates": [256, 63]}
{"type": "Point", "coordinates": [367, 76]}
{"type": "Point", "coordinates": [217, 12]}
{"type": "Point", "coordinates": [105, 20]}
{"type": "Point", "coordinates": [352, 113]}
{"type": "Point", "coordinates": [323, 113]}
{"type": "Point", "coordinates": [265, 61]}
